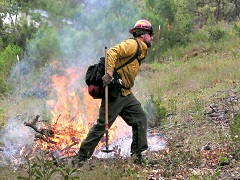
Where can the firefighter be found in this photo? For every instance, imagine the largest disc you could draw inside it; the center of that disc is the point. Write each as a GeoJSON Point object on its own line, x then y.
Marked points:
{"type": "Point", "coordinates": [124, 103]}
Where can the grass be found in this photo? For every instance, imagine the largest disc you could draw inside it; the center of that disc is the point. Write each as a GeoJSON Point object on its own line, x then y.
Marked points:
{"type": "Point", "coordinates": [185, 83]}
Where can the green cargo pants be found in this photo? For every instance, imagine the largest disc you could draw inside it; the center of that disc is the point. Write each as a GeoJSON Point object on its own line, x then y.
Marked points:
{"type": "Point", "coordinates": [129, 108]}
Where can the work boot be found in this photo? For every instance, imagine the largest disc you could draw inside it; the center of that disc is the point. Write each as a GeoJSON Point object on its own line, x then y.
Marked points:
{"type": "Point", "coordinates": [140, 160]}
{"type": "Point", "coordinates": [137, 158]}
{"type": "Point", "coordinates": [79, 162]}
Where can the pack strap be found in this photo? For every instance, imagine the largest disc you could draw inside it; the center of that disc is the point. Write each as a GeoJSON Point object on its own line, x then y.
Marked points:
{"type": "Point", "coordinates": [137, 53]}
{"type": "Point", "coordinates": [102, 59]}
{"type": "Point", "coordinates": [132, 59]}
{"type": "Point", "coordinates": [94, 73]}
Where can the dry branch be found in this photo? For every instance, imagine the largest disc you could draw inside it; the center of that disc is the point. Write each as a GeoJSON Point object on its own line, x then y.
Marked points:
{"type": "Point", "coordinates": [69, 147]}
{"type": "Point", "coordinates": [42, 137]}
{"type": "Point", "coordinates": [46, 132]}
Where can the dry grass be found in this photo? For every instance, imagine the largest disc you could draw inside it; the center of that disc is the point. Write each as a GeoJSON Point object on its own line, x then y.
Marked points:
{"type": "Point", "coordinates": [190, 84]}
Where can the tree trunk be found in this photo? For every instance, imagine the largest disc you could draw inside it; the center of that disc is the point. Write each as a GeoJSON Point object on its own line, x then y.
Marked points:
{"type": "Point", "coordinates": [218, 11]}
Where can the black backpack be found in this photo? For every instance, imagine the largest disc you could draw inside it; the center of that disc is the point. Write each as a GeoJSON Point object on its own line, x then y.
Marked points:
{"type": "Point", "coordinates": [95, 73]}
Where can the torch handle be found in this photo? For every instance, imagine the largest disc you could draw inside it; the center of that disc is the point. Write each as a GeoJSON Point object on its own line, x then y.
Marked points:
{"type": "Point", "coordinates": [106, 94]}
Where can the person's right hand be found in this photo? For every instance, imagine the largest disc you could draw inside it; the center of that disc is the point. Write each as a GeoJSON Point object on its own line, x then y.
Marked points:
{"type": "Point", "coordinates": [106, 79]}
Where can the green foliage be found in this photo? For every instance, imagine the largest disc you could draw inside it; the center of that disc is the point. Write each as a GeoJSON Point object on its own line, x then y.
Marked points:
{"type": "Point", "coordinates": [198, 105]}
{"type": "Point", "coordinates": [223, 159]}
{"type": "Point", "coordinates": [162, 13]}
{"type": "Point", "coordinates": [235, 128]}
{"type": "Point", "coordinates": [166, 10]}
{"type": "Point", "coordinates": [236, 28]}
{"type": "Point", "coordinates": [199, 36]}
{"type": "Point", "coordinates": [59, 10]}
{"type": "Point", "coordinates": [172, 106]}
{"type": "Point", "coordinates": [69, 173]}
{"type": "Point", "coordinates": [1, 45]}
{"type": "Point", "coordinates": [131, 173]}
{"type": "Point", "coordinates": [44, 47]}
{"type": "Point", "coordinates": [119, 18]}
{"type": "Point", "coordinates": [211, 12]}
{"type": "Point", "coordinates": [216, 34]}
{"type": "Point", "coordinates": [4, 86]}
{"type": "Point", "coordinates": [42, 169]}
{"type": "Point", "coordinates": [18, 26]}
{"type": "Point", "coordinates": [160, 110]}
{"type": "Point", "coordinates": [8, 59]}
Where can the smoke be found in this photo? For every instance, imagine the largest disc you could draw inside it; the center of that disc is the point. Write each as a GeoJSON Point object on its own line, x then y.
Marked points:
{"type": "Point", "coordinates": [15, 135]}
{"type": "Point", "coordinates": [78, 42]}
{"type": "Point", "coordinates": [155, 143]}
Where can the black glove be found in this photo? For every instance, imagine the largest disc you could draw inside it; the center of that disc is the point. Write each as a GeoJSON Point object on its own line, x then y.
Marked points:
{"type": "Point", "coordinates": [106, 79]}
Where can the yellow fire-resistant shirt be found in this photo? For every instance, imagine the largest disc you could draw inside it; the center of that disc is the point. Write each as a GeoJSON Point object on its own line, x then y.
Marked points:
{"type": "Point", "coordinates": [121, 53]}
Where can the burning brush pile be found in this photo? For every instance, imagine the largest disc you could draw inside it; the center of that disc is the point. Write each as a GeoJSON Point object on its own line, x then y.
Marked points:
{"type": "Point", "coordinates": [73, 112]}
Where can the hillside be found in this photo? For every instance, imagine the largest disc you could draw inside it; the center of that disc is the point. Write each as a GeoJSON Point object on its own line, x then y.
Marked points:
{"type": "Point", "coordinates": [200, 90]}
{"type": "Point", "coordinates": [195, 94]}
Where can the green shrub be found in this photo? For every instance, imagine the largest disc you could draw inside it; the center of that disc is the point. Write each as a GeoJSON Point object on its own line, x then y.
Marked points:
{"type": "Point", "coordinates": [4, 87]}
{"type": "Point", "coordinates": [236, 28]}
{"type": "Point", "coordinates": [46, 169]}
{"type": "Point", "coordinates": [1, 45]}
{"type": "Point", "coordinates": [198, 36]}
{"type": "Point", "coordinates": [157, 110]}
{"type": "Point", "coordinates": [44, 47]}
{"type": "Point", "coordinates": [216, 34]}
{"type": "Point", "coordinates": [8, 59]}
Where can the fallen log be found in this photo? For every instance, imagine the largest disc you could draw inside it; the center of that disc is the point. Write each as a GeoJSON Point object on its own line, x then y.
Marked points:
{"type": "Point", "coordinates": [46, 132]}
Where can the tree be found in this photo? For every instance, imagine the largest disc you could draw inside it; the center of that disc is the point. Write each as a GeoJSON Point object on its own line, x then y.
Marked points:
{"type": "Point", "coordinates": [43, 48]}
{"type": "Point", "coordinates": [206, 11]}
{"type": "Point", "coordinates": [8, 59]}
{"type": "Point", "coordinates": [19, 26]}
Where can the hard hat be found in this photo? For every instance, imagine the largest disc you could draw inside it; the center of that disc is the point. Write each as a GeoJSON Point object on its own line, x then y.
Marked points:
{"type": "Point", "coordinates": [142, 25]}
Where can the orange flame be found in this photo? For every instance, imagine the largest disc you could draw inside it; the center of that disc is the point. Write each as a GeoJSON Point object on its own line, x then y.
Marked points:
{"type": "Point", "coordinates": [22, 150]}
{"type": "Point", "coordinates": [73, 112]}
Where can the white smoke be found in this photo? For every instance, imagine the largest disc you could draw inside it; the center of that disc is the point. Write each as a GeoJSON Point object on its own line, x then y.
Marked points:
{"type": "Point", "coordinates": [15, 136]}
{"type": "Point", "coordinates": [155, 143]}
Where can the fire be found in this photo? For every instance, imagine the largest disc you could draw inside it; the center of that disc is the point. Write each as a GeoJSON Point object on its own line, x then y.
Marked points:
{"type": "Point", "coordinates": [73, 113]}
{"type": "Point", "coordinates": [22, 150]}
